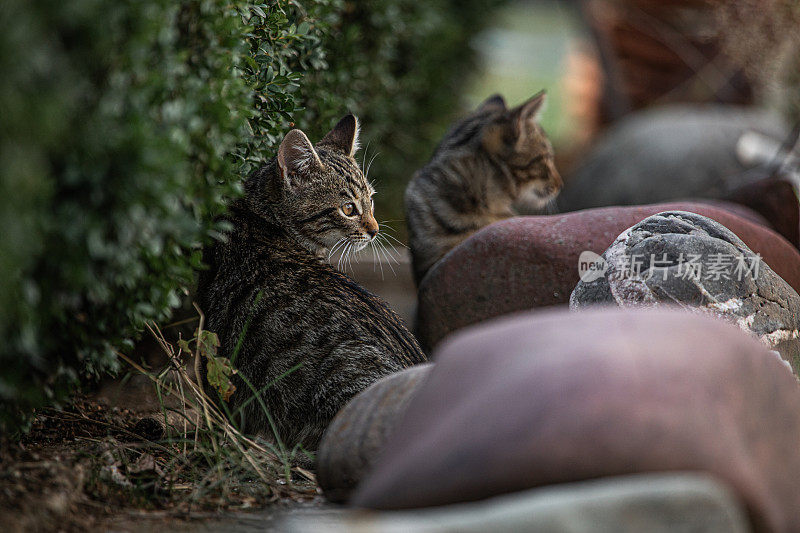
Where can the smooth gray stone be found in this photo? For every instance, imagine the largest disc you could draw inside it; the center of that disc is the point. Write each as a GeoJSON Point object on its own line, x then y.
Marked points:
{"type": "Point", "coordinates": [358, 433]}
{"type": "Point", "coordinates": [654, 503]}
{"type": "Point", "coordinates": [668, 153]}
{"type": "Point", "coordinates": [749, 294]}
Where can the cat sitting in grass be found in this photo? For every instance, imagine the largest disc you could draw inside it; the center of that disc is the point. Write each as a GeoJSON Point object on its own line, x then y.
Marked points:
{"type": "Point", "coordinates": [301, 334]}
{"type": "Point", "coordinates": [487, 162]}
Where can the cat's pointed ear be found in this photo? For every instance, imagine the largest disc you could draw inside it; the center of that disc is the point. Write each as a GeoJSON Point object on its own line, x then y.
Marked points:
{"type": "Point", "coordinates": [296, 155]}
{"type": "Point", "coordinates": [344, 136]}
{"type": "Point", "coordinates": [525, 115]}
{"type": "Point", "coordinates": [493, 103]}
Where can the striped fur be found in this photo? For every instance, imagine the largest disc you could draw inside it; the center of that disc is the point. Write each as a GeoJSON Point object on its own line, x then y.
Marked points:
{"type": "Point", "coordinates": [488, 161]}
{"type": "Point", "coordinates": [304, 315]}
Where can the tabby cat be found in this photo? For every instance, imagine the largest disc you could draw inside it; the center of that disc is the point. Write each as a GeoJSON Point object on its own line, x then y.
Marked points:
{"type": "Point", "coordinates": [313, 337]}
{"type": "Point", "coordinates": [488, 161]}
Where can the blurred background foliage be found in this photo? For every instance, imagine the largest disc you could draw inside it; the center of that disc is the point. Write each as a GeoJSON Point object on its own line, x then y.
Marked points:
{"type": "Point", "coordinates": [125, 124]}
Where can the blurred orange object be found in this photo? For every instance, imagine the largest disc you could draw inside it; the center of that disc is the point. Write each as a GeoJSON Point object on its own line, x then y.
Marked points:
{"type": "Point", "coordinates": [660, 51]}
{"type": "Point", "coordinates": [583, 86]}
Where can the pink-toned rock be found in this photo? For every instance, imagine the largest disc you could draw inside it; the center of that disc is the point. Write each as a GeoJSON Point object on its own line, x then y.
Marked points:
{"type": "Point", "coordinates": [555, 397]}
{"type": "Point", "coordinates": [531, 262]}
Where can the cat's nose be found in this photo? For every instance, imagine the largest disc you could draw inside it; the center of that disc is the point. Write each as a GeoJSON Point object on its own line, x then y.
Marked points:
{"type": "Point", "coordinates": [371, 226]}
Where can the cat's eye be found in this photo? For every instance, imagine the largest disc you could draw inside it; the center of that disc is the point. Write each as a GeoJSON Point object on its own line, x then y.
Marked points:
{"type": "Point", "coordinates": [348, 209]}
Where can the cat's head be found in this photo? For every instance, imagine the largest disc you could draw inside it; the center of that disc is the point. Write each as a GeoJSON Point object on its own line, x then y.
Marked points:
{"type": "Point", "coordinates": [319, 193]}
{"type": "Point", "coordinates": [516, 143]}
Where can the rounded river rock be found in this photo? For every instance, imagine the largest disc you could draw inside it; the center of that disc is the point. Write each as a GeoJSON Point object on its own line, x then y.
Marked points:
{"type": "Point", "coordinates": [688, 260]}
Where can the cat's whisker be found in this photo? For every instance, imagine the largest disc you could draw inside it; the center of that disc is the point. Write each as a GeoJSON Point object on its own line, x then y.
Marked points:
{"type": "Point", "coordinates": [377, 257]}
{"type": "Point", "coordinates": [385, 228]}
{"type": "Point", "coordinates": [380, 261]}
{"type": "Point", "coordinates": [390, 251]}
{"type": "Point", "coordinates": [364, 154]}
{"type": "Point", "coordinates": [393, 251]}
{"type": "Point", "coordinates": [335, 246]}
{"type": "Point", "coordinates": [350, 258]}
{"type": "Point", "coordinates": [369, 166]}
{"type": "Point", "coordinates": [347, 258]}
{"type": "Point", "coordinates": [388, 262]}
{"type": "Point", "coordinates": [388, 254]}
{"type": "Point", "coordinates": [550, 207]}
{"type": "Point", "coordinates": [342, 257]}
{"type": "Point", "coordinates": [386, 233]}
{"type": "Point", "coordinates": [380, 250]}
{"type": "Point", "coordinates": [395, 239]}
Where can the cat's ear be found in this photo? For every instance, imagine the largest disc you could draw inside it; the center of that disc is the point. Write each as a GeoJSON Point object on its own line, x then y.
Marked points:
{"type": "Point", "coordinates": [296, 155]}
{"type": "Point", "coordinates": [493, 103]}
{"type": "Point", "coordinates": [494, 136]}
{"type": "Point", "coordinates": [344, 136]}
{"type": "Point", "coordinates": [525, 115]}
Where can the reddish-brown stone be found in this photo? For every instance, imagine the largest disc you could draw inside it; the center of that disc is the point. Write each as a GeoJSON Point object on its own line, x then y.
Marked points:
{"type": "Point", "coordinates": [531, 262]}
{"type": "Point", "coordinates": [775, 200]}
{"type": "Point", "coordinates": [554, 396]}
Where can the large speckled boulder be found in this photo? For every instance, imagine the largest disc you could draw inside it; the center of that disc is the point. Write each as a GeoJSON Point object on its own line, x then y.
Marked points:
{"type": "Point", "coordinates": [532, 262]}
{"type": "Point", "coordinates": [685, 259]}
{"type": "Point", "coordinates": [358, 432]}
{"type": "Point", "coordinates": [555, 396]}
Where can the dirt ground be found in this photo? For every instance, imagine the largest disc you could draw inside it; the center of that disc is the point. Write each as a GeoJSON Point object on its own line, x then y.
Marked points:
{"type": "Point", "coordinates": [98, 463]}
{"type": "Point", "coordinates": [89, 466]}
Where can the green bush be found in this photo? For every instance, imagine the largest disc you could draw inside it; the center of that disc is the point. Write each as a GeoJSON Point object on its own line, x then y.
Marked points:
{"type": "Point", "coordinates": [117, 121]}
{"type": "Point", "coordinates": [125, 124]}
{"type": "Point", "coordinates": [401, 66]}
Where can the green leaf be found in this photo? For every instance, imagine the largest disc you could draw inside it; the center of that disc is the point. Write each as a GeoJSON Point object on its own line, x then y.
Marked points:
{"type": "Point", "coordinates": [208, 342]}
{"type": "Point", "coordinates": [219, 374]}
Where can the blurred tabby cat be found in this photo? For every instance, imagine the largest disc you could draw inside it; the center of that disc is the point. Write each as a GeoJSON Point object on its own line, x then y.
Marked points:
{"type": "Point", "coordinates": [488, 161]}
{"type": "Point", "coordinates": [315, 337]}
